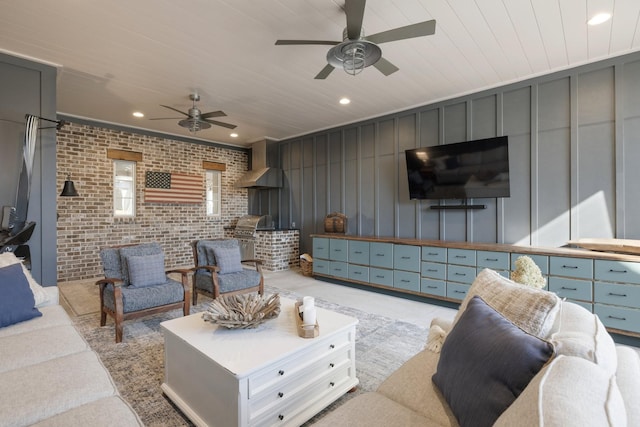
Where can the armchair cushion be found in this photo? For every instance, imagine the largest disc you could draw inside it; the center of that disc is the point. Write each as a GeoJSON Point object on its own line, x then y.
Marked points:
{"type": "Point", "coordinates": [146, 270]}
{"type": "Point", "coordinates": [16, 299]}
{"type": "Point", "coordinates": [228, 259]}
{"type": "Point", "coordinates": [136, 298]}
{"type": "Point", "coordinates": [228, 282]}
{"type": "Point", "coordinates": [205, 248]}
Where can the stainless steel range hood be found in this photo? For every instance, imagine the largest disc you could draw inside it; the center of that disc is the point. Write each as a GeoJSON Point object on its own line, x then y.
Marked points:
{"type": "Point", "coordinates": [260, 175]}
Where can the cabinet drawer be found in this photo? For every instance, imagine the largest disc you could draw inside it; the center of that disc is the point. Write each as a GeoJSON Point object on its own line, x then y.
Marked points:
{"type": "Point", "coordinates": [433, 287]}
{"type": "Point", "coordinates": [338, 249]}
{"type": "Point", "coordinates": [430, 253]}
{"type": "Point", "coordinates": [571, 267]}
{"type": "Point", "coordinates": [380, 276]}
{"type": "Point", "coordinates": [359, 273]}
{"type": "Point", "coordinates": [381, 255]}
{"type": "Point", "coordinates": [406, 280]}
{"type": "Point", "coordinates": [571, 288]}
{"type": "Point", "coordinates": [339, 269]}
{"type": "Point", "coordinates": [617, 294]}
{"type": "Point", "coordinates": [617, 271]}
{"type": "Point", "coordinates": [626, 319]}
{"type": "Point", "coordinates": [288, 369]}
{"type": "Point", "coordinates": [461, 256]}
{"type": "Point", "coordinates": [406, 258]}
{"type": "Point", "coordinates": [493, 260]}
{"type": "Point", "coordinates": [542, 261]}
{"type": "Point", "coordinates": [320, 247]}
{"type": "Point", "coordinates": [434, 270]}
{"type": "Point", "coordinates": [459, 273]}
{"type": "Point", "coordinates": [284, 391]}
{"type": "Point", "coordinates": [359, 252]}
{"type": "Point", "coordinates": [320, 266]}
{"type": "Point", "coordinates": [457, 291]}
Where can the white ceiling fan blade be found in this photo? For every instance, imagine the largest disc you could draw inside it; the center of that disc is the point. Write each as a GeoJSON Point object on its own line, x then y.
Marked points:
{"type": "Point", "coordinates": [385, 67]}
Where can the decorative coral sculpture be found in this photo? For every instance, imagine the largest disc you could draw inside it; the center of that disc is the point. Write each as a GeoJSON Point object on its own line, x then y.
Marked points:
{"type": "Point", "coordinates": [528, 273]}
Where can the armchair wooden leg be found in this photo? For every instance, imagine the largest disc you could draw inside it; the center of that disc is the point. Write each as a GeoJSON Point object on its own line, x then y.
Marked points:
{"type": "Point", "coordinates": [194, 292]}
{"type": "Point", "coordinates": [119, 314]}
{"type": "Point", "coordinates": [186, 308]}
{"type": "Point", "coordinates": [103, 317]}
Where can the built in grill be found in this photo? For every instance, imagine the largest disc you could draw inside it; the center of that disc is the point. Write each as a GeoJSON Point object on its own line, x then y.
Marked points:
{"type": "Point", "coordinates": [245, 232]}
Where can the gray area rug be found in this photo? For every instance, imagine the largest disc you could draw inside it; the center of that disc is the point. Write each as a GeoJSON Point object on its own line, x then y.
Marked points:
{"type": "Point", "coordinates": [137, 364]}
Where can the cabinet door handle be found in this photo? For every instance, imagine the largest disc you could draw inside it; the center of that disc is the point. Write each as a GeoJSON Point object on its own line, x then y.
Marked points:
{"type": "Point", "coordinates": [337, 269]}
{"type": "Point", "coordinates": [331, 365]}
{"type": "Point", "coordinates": [357, 252]}
{"type": "Point", "coordinates": [332, 383]}
{"type": "Point", "coordinates": [459, 292]}
{"type": "Point", "coordinates": [491, 259]}
{"type": "Point", "coordinates": [281, 417]}
{"type": "Point", "coordinates": [357, 272]}
{"type": "Point", "coordinates": [461, 256]}
{"type": "Point", "coordinates": [379, 277]}
{"type": "Point", "coordinates": [570, 266]}
{"type": "Point", "coordinates": [460, 274]}
{"type": "Point", "coordinates": [432, 269]}
{"type": "Point", "coordinates": [611, 270]}
{"type": "Point", "coordinates": [280, 372]}
{"type": "Point", "coordinates": [379, 254]}
{"type": "Point", "coordinates": [617, 295]}
{"type": "Point", "coordinates": [280, 394]}
{"type": "Point", "coordinates": [405, 281]}
{"type": "Point", "coordinates": [337, 250]}
{"type": "Point", "coordinates": [569, 289]}
{"type": "Point", "coordinates": [405, 257]}
{"type": "Point", "coordinates": [617, 318]}
{"type": "Point", "coordinates": [432, 253]}
{"type": "Point", "coordinates": [431, 287]}
{"type": "Point", "coordinates": [332, 346]}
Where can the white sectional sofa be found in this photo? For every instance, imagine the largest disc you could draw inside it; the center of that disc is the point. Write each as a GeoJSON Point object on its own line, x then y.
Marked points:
{"type": "Point", "coordinates": [49, 376]}
{"type": "Point", "coordinates": [587, 380]}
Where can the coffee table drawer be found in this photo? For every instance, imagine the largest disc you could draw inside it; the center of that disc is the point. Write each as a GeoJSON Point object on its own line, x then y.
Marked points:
{"type": "Point", "coordinates": [328, 388]}
{"type": "Point", "coordinates": [284, 392]}
{"type": "Point", "coordinates": [288, 368]}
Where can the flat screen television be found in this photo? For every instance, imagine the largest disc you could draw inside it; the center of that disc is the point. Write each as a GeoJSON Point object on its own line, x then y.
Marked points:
{"type": "Point", "coordinates": [464, 170]}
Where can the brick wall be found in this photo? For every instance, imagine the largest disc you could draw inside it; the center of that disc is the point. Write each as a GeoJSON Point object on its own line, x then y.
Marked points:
{"type": "Point", "coordinates": [86, 224]}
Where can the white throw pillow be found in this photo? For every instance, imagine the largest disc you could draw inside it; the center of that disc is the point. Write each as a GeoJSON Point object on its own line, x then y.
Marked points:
{"type": "Point", "coordinates": [39, 294]}
{"type": "Point", "coordinates": [532, 310]}
{"type": "Point", "coordinates": [581, 333]}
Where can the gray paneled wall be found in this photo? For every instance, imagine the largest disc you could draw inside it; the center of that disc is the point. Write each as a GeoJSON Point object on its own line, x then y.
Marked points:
{"type": "Point", "coordinates": [574, 140]}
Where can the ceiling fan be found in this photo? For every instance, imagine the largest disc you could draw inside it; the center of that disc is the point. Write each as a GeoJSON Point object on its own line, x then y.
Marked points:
{"type": "Point", "coordinates": [357, 51]}
{"type": "Point", "coordinates": [197, 120]}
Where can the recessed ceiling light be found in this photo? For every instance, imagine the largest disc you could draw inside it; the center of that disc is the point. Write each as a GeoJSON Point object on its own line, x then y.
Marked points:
{"type": "Point", "coordinates": [234, 135]}
{"type": "Point", "coordinates": [344, 101]}
{"type": "Point", "coordinates": [138, 114]}
{"type": "Point", "coordinates": [599, 18]}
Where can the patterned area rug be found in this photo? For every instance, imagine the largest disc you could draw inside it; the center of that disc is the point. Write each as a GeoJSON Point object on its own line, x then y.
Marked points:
{"type": "Point", "coordinates": [137, 364]}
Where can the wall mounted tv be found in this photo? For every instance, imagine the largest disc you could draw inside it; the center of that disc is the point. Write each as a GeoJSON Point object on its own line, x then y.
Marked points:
{"type": "Point", "coordinates": [464, 170]}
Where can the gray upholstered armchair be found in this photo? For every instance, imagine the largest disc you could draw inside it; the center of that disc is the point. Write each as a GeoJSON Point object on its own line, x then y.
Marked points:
{"type": "Point", "coordinates": [136, 284]}
{"type": "Point", "coordinates": [218, 269]}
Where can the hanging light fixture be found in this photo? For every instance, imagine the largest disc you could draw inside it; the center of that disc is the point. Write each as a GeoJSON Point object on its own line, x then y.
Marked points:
{"type": "Point", "coordinates": [69, 190]}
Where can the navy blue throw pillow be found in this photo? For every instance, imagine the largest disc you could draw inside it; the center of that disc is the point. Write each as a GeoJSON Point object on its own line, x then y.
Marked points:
{"type": "Point", "coordinates": [485, 363]}
{"type": "Point", "coordinates": [17, 303]}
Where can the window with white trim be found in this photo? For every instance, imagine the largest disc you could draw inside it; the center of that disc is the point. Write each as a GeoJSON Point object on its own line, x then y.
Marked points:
{"type": "Point", "coordinates": [213, 193]}
{"type": "Point", "coordinates": [124, 189]}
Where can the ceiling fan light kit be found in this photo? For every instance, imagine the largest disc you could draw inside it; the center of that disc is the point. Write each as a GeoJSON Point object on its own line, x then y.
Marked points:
{"type": "Point", "coordinates": [356, 51]}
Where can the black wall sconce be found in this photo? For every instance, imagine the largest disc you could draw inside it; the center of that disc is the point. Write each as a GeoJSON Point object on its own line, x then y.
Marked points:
{"type": "Point", "coordinates": [69, 190]}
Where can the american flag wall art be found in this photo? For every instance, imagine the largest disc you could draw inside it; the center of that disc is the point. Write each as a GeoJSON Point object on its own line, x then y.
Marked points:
{"type": "Point", "coordinates": [166, 187]}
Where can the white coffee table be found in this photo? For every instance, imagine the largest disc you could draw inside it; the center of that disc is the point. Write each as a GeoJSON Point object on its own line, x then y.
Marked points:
{"type": "Point", "coordinates": [263, 376]}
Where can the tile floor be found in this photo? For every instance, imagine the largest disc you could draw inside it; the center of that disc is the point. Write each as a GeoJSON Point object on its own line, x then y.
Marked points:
{"type": "Point", "coordinates": [416, 312]}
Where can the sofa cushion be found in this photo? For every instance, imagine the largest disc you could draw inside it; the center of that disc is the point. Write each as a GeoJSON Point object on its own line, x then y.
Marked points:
{"type": "Point", "coordinates": [146, 270]}
{"type": "Point", "coordinates": [569, 391]}
{"type": "Point", "coordinates": [373, 410]}
{"type": "Point", "coordinates": [409, 386]}
{"type": "Point", "coordinates": [581, 333]}
{"type": "Point", "coordinates": [228, 259]}
{"type": "Point", "coordinates": [105, 412]}
{"type": "Point", "coordinates": [39, 345]}
{"type": "Point", "coordinates": [51, 316]}
{"type": "Point", "coordinates": [39, 294]}
{"type": "Point", "coordinates": [485, 363]}
{"type": "Point", "coordinates": [16, 299]}
{"type": "Point", "coordinates": [533, 310]}
{"type": "Point", "coordinates": [628, 379]}
{"type": "Point", "coordinates": [32, 393]}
